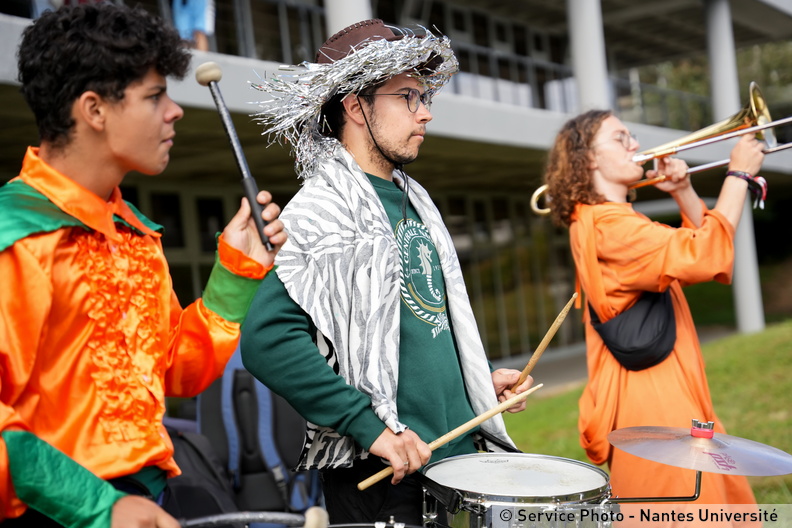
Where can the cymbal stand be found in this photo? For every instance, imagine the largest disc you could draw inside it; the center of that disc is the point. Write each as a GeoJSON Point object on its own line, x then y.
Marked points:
{"type": "Point", "coordinates": [692, 498]}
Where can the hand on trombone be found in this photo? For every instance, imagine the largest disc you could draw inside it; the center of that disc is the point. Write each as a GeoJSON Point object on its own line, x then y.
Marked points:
{"type": "Point", "coordinates": [745, 161]}
{"type": "Point", "coordinates": [747, 155]}
{"type": "Point", "coordinates": [674, 174]}
{"type": "Point", "coordinates": [742, 176]}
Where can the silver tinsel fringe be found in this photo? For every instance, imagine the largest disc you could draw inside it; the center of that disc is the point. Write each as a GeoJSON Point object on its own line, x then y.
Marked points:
{"type": "Point", "coordinates": [292, 115]}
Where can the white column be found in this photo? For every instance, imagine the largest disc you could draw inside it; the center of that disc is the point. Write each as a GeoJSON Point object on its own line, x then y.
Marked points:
{"type": "Point", "coordinates": [746, 289]}
{"type": "Point", "coordinates": [723, 65]}
{"type": "Point", "coordinates": [342, 13]}
{"type": "Point", "coordinates": [588, 54]}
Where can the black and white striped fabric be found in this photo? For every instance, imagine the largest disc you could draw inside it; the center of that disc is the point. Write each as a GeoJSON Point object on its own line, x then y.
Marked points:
{"type": "Point", "coordinates": [341, 265]}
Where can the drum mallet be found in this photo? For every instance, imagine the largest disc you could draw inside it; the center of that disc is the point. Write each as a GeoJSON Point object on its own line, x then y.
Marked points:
{"type": "Point", "coordinates": [545, 341]}
{"type": "Point", "coordinates": [459, 431]}
{"type": "Point", "coordinates": [209, 74]}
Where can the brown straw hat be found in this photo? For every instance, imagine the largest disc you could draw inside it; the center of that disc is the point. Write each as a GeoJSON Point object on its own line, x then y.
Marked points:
{"type": "Point", "coordinates": [358, 56]}
{"type": "Point", "coordinates": [353, 37]}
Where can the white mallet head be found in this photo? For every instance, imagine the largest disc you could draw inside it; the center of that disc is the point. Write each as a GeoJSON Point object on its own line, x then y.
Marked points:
{"type": "Point", "coordinates": [208, 72]}
{"type": "Point", "coordinates": [316, 517]}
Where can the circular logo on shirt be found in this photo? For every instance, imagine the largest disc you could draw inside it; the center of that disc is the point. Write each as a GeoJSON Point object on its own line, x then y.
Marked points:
{"type": "Point", "coordinates": [422, 286]}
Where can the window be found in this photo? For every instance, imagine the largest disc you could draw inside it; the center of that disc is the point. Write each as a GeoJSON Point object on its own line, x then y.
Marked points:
{"type": "Point", "coordinates": [166, 210]}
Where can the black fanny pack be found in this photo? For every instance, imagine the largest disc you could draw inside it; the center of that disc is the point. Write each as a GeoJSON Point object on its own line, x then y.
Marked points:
{"type": "Point", "coordinates": [642, 336]}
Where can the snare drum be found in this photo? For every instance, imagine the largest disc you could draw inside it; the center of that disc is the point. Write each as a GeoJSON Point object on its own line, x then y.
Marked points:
{"type": "Point", "coordinates": [517, 490]}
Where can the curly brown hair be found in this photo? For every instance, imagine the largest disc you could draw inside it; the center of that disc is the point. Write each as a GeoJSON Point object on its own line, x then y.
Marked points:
{"type": "Point", "coordinates": [567, 174]}
{"type": "Point", "coordinates": [103, 47]}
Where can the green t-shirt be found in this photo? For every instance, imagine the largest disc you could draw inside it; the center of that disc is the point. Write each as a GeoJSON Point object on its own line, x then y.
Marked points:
{"type": "Point", "coordinates": [431, 397]}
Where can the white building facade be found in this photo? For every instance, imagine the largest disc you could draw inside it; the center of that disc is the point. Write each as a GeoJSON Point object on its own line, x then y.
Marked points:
{"type": "Point", "coordinates": [526, 67]}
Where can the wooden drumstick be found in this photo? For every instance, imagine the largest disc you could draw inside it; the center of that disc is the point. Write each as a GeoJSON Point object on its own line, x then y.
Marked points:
{"type": "Point", "coordinates": [459, 431]}
{"type": "Point", "coordinates": [545, 341]}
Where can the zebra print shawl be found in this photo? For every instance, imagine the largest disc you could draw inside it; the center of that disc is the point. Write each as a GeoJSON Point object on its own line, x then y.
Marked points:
{"type": "Point", "coordinates": [337, 229]}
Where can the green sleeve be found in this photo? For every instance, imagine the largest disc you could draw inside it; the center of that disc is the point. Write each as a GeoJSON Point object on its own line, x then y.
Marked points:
{"type": "Point", "coordinates": [228, 294]}
{"type": "Point", "coordinates": [278, 348]}
{"type": "Point", "coordinates": [52, 483]}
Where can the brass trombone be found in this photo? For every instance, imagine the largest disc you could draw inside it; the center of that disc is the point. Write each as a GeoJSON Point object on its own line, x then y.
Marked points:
{"type": "Point", "coordinates": [752, 118]}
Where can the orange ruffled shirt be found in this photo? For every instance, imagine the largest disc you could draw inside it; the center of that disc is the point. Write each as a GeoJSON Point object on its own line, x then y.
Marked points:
{"type": "Point", "coordinates": [92, 337]}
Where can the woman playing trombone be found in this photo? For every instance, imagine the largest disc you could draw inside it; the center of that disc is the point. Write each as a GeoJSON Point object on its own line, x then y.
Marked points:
{"type": "Point", "coordinates": [655, 375]}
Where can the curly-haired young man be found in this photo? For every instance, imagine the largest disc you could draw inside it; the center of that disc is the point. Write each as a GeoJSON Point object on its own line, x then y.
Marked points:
{"type": "Point", "coordinates": [92, 337]}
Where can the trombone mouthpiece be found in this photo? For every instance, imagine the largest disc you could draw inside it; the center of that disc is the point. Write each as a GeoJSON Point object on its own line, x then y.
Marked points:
{"type": "Point", "coordinates": [208, 72]}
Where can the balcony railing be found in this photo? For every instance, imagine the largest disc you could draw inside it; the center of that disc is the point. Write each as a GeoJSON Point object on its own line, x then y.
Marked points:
{"type": "Point", "coordinates": [290, 31]}
{"type": "Point", "coordinates": [525, 81]}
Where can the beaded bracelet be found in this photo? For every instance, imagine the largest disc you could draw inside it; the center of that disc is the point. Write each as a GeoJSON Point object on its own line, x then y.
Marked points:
{"type": "Point", "coordinates": [757, 185]}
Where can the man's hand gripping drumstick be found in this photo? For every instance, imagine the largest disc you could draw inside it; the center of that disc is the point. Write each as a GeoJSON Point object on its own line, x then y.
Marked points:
{"type": "Point", "coordinates": [459, 431]}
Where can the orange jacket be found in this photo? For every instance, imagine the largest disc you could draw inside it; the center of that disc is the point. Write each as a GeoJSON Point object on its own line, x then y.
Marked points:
{"type": "Point", "coordinates": [618, 254]}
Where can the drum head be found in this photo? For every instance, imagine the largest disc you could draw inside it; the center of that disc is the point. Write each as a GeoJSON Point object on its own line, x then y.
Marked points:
{"type": "Point", "coordinates": [522, 477]}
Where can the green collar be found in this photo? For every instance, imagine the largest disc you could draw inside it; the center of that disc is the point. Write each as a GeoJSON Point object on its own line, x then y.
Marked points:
{"type": "Point", "coordinates": [24, 211]}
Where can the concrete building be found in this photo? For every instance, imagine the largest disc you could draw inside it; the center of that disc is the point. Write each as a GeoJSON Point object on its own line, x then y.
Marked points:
{"type": "Point", "coordinates": [526, 67]}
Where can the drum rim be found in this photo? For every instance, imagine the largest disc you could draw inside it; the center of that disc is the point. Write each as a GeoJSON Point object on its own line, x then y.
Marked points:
{"type": "Point", "coordinates": [594, 494]}
{"type": "Point", "coordinates": [373, 525]}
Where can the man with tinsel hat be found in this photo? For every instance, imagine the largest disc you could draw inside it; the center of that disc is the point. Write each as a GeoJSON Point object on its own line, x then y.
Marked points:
{"type": "Point", "coordinates": [367, 328]}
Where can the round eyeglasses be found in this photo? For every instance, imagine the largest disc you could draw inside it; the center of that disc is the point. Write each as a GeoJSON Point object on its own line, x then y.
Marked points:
{"type": "Point", "coordinates": [413, 98]}
{"type": "Point", "coordinates": [625, 138]}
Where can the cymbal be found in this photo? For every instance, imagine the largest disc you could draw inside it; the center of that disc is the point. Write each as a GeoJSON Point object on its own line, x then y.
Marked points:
{"type": "Point", "coordinates": [676, 446]}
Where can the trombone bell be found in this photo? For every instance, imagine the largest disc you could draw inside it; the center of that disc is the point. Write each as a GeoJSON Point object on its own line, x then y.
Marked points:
{"type": "Point", "coordinates": [541, 211]}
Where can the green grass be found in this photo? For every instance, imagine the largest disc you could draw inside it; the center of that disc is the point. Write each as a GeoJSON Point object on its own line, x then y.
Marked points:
{"type": "Point", "coordinates": [751, 386]}
{"type": "Point", "coordinates": [712, 303]}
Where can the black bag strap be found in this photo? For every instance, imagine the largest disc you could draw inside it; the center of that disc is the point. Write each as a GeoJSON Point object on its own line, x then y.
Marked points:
{"type": "Point", "coordinates": [449, 497]}
{"type": "Point", "coordinates": [489, 437]}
